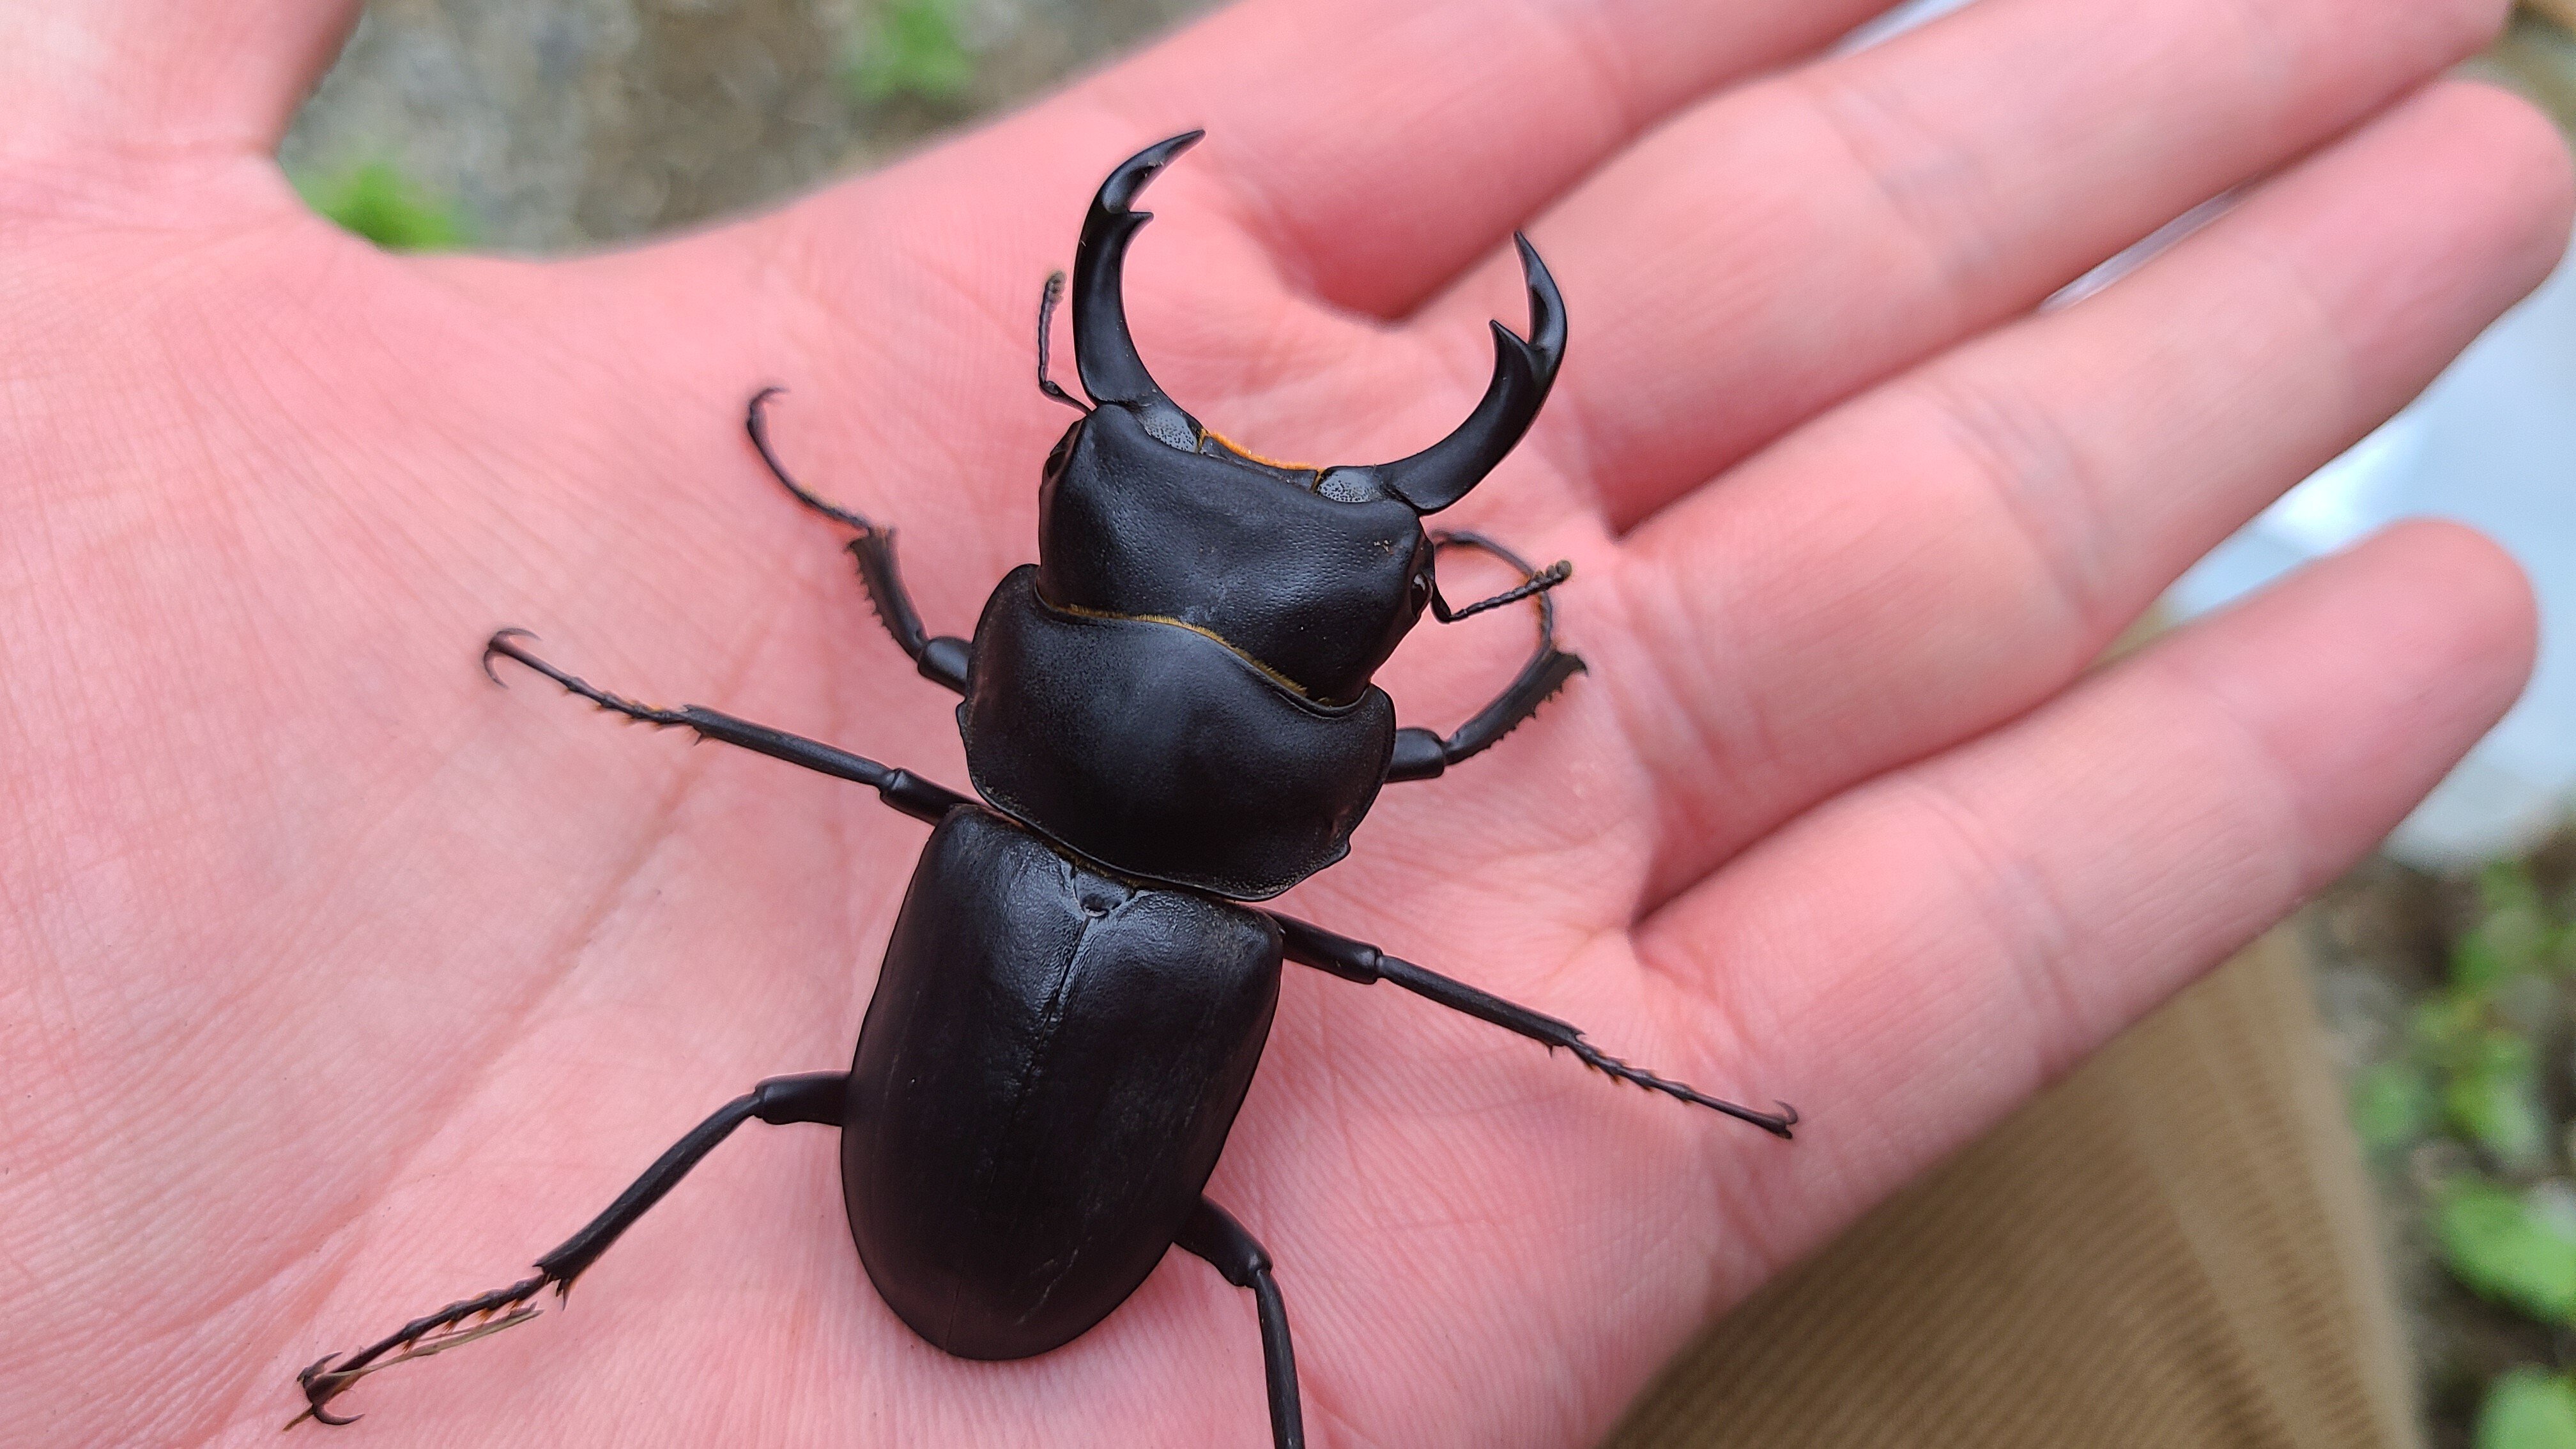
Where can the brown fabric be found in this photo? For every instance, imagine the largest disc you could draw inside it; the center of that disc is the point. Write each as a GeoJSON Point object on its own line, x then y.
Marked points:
{"type": "Point", "coordinates": [2173, 1247]}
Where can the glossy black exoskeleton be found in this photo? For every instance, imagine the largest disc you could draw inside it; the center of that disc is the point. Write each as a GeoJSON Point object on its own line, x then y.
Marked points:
{"type": "Point", "coordinates": [1167, 717]}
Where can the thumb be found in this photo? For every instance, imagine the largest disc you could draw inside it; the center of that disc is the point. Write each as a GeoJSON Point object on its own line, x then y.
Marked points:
{"type": "Point", "coordinates": [141, 79]}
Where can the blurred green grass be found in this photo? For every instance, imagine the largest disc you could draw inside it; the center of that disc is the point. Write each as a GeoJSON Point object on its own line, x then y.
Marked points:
{"type": "Point", "coordinates": [910, 48]}
{"type": "Point", "coordinates": [375, 200]}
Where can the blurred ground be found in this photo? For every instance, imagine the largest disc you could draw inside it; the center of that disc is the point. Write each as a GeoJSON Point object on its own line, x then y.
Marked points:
{"type": "Point", "coordinates": [552, 126]}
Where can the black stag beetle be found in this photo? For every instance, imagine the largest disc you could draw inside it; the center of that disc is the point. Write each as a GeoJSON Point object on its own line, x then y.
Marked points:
{"type": "Point", "coordinates": [1167, 715]}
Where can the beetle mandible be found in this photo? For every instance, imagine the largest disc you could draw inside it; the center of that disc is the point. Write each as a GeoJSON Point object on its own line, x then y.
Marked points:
{"type": "Point", "coordinates": [1167, 717]}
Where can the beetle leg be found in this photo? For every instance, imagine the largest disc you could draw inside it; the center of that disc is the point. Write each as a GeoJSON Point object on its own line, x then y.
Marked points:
{"type": "Point", "coordinates": [900, 788]}
{"type": "Point", "coordinates": [1213, 1234]}
{"type": "Point", "coordinates": [941, 659]}
{"type": "Point", "coordinates": [432, 1333]}
{"type": "Point", "coordinates": [815, 1097]}
{"type": "Point", "coordinates": [1359, 961]}
{"type": "Point", "coordinates": [1422, 754]}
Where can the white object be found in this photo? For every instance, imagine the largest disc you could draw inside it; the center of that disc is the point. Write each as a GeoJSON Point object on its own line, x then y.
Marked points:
{"type": "Point", "coordinates": [2492, 443]}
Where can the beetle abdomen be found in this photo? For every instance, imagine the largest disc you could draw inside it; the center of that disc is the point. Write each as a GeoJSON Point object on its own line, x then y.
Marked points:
{"type": "Point", "coordinates": [1047, 1073]}
{"type": "Point", "coordinates": [1158, 750]}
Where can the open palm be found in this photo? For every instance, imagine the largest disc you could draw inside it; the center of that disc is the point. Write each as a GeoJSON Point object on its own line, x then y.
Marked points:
{"type": "Point", "coordinates": [338, 982]}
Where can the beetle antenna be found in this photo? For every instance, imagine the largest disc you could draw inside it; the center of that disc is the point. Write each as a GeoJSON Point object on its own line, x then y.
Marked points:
{"type": "Point", "coordinates": [1047, 297]}
{"type": "Point", "coordinates": [1534, 583]}
{"type": "Point", "coordinates": [1537, 583]}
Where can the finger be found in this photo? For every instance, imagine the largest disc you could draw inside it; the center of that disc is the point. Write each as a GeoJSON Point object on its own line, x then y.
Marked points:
{"type": "Point", "coordinates": [1780, 247]}
{"type": "Point", "coordinates": [1376, 149]}
{"type": "Point", "coordinates": [1357, 151]}
{"type": "Point", "coordinates": [1951, 549]}
{"type": "Point", "coordinates": [146, 78]}
{"type": "Point", "coordinates": [1365, 151]}
{"type": "Point", "coordinates": [1941, 943]}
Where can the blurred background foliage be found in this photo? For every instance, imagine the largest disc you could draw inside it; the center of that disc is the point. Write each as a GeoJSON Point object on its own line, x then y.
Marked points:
{"type": "Point", "coordinates": [2455, 1003]}
{"type": "Point", "coordinates": [554, 126]}
{"type": "Point", "coordinates": [375, 200]}
{"type": "Point", "coordinates": [911, 48]}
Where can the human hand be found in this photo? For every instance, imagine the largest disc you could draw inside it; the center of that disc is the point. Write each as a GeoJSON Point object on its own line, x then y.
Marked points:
{"type": "Point", "coordinates": [339, 983]}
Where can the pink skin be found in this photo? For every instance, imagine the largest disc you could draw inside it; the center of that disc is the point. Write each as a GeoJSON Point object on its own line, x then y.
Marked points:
{"type": "Point", "coordinates": [336, 983]}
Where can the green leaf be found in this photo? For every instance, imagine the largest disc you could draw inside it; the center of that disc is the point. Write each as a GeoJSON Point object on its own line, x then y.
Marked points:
{"type": "Point", "coordinates": [2392, 1105]}
{"type": "Point", "coordinates": [2493, 1097]}
{"type": "Point", "coordinates": [2440, 1024]}
{"type": "Point", "coordinates": [2501, 1245]}
{"type": "Point", "coordinates": [2528, 1409]}
{"type": "Point", "coordinates": [914, 50]}
{"type": "Point", "coordinates": [376, 201]}
{"type": "Point", "coordinates": [2513, 936]}
{"type": "Point", "coordinates": [2478, 965]}
{"type": "Point", "coordinates": [2506, 885]}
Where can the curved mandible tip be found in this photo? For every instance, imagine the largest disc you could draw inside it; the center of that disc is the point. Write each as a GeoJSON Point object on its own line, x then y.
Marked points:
{"type": "Point", "coordinates": [1119, 192]}
{"type": "Point", "coordinates": [1547, 311]}
{"type": "Point", "coordinates": [1103, 352]}
{"type": "Point", "coordinates": [1524, 371]}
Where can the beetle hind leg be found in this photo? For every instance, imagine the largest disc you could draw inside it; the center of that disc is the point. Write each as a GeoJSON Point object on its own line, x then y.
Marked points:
{"type": "Point", "coordinates": [942, 658]}
{"type": "Point", "coordinates": [817, 1097]}
{"type": "Point", "coordinates": [448, 1328]}
{"type": "Point", "coordinates": [1213, 1234]}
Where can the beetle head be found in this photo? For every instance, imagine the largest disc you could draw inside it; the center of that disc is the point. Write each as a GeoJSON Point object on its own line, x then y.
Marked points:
{"type": "Point", "coordinates": [1145, 514]}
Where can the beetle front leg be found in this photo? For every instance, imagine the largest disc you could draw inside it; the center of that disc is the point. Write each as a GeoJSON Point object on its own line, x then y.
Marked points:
{"type": "Point", "coordinates": [940, 658]}
{"type": "Point", "coordinates": [816, 1097]}
{"type": "Point", "coordinates": [1359, 961]}
{"type": "Point", "coordinates": [1422, 754]}
{"type": "Point", "coordinates": [1213, 1234]}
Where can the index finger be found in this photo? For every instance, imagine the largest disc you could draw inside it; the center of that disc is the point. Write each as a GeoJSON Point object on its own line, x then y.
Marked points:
{"type": "Point", "coordinates": [1377, 149]}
